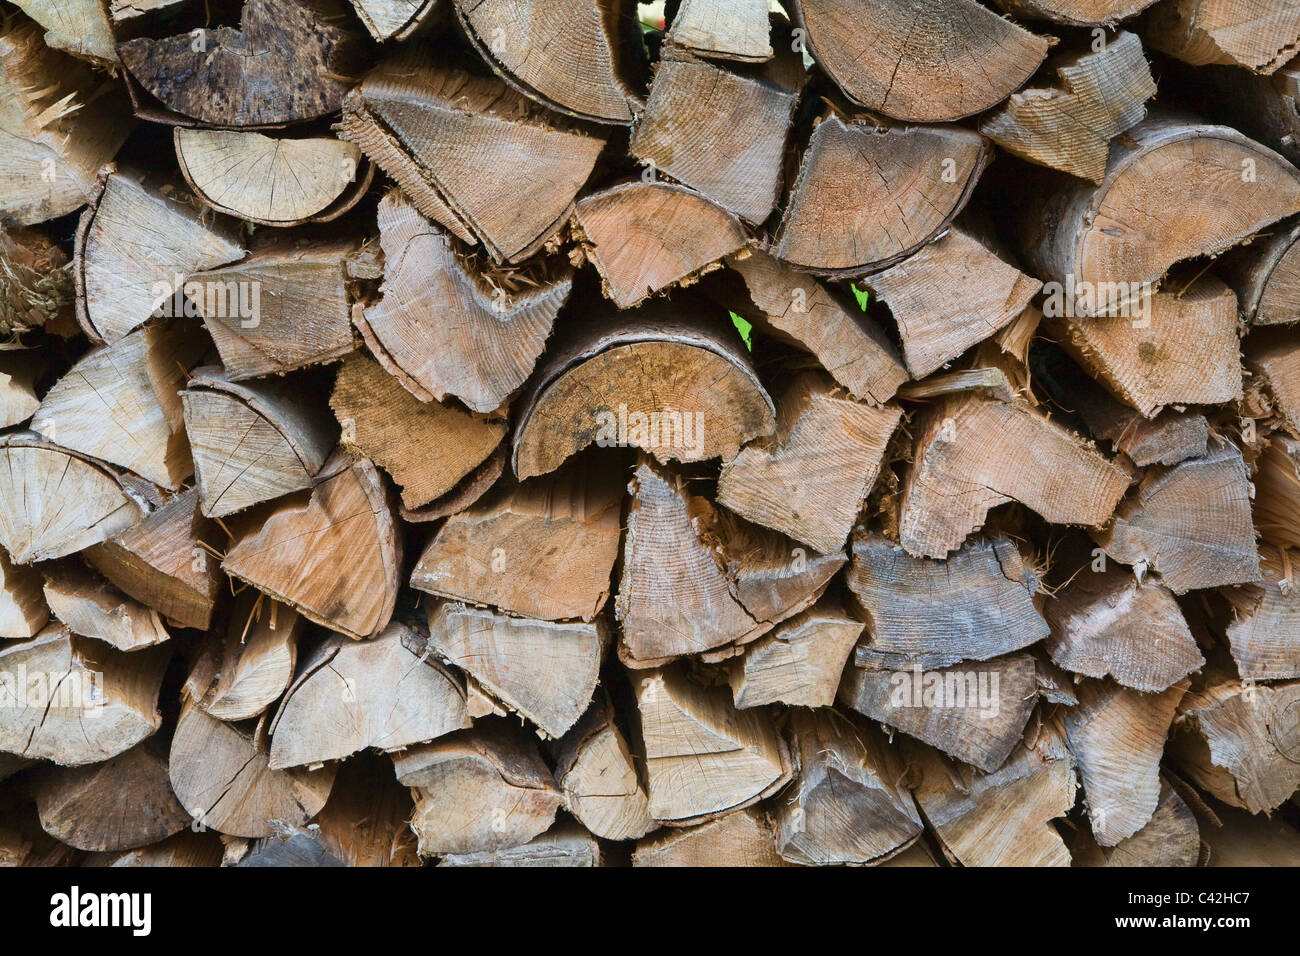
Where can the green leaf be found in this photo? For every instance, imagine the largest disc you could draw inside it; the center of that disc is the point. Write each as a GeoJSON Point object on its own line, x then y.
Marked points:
{"type": "Point", "coordinates": [862, 295]}
{"type": "Point", "coordinates": [744, 328]}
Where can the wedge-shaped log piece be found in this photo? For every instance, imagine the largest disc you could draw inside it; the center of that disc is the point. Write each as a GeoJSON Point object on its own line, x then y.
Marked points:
{"type": "Point", "coordinates": [1117, 736]}
{"type": "Point", "coordinates": [120, 403]}
{"type": "Point", "coordinates": [798, 310]}
{"type": "Point", "coordinates": [62, 122]}
{"type": "Point", "coordinates": [595, 78]}
{"type": "Point", "coordinates": [18, 375]}
{"type": "Point", "coordinates": [135, 245]}
{"type": "Point", "coordinates": [1171, 838]}
{"type": "Point", "coordinates": [545, 671]}
{"type": "Point", "coordinates": [123, 803]}
{"type": "Point", "coordinates": [929, 60]}
{"type": "Point", "coordinates": [274, 181]}
{"type": "Point", "coordinates": [949, 296]}
{"type": "Point", "coordinates": [426, 447]}
{"type": "Point", "coordinates": [845, 805]}
{"type": "Point", "coordinates": [721, 131]}
{"type": "Point", "coordinates": [1265, 630]}
{"type": "Point", "coordinates": [58, 501]}
{"type": "Point", "coordinates": [73, 701]}
{"type": "Point", "coordinates": [968, 455]}
{"type": "Point", "coordinates": [645, 237]}
{"type": "Point", "coordinates": [247, 662]}
{"type": "Point", "coordinates": [335, 556]}
{"type": "Point", "coordinates": [1277, 492]}
{"type": "Point", "coordinates": [1002, 817]}
{"type": "Point", "coordinates": [90, 606]}
{"type": "Point", "coordinates": [723, 29]}
{"type": "Point", "coordinates": [1068, 126]}
{"type": "Point", "coordinates": [79, 27]}
{"type": "Point", "coordinates": [595, 769]}
{"type": "Point", "coordinates": [868, 196]}
{"type": "Point", "coordinates": [349, 696]}
{"type": "Point", "coordinates": [471, 152]}
{"type": "Point", "coordinates": [543, 549]}
{"type": "Point", "coordinates": [1241, 742]}
{"type": "Point", "coordinates": [702, 756]}
{"type": "Point", "coordinates": [251, 441]}
{"type": "Point", "coordinates": [1265, 274]}
{"type": "Point", "coordinates": [975, 712]}
{"type": "Point", "coordinates": [1175, 188]}
{"type": "Point", "coordinates": [466, 493]}
{"type": "Point", "coordinates": [284, 307]}
{"type": "Point", "coordinates": [1110, 624]}
{"type": "Point", "coordinates": [799, 662]}
{"type": "Point", "coordinates": [287, 62]}
{"type": "Point", "coordinates": [163, 561]}
{"type": "Point", "coordinates": [1191, 523]}
{"type": "Point", "coordinates": [478, 790]}
{"type": "Point", "coordinates": [671, 381]}
{"type": "Point", "coordinates": [219, 774]}
{"type": "Point", "coordinates": [975, 605]}
{"type": "Point", "coordinates": [23, 610]}
{"type": "Point", "coordinates": [443, 326]}
{"type": "Point", "coordinates": [742, 838]}
{"type": "Point", "coordinates": [398, 19]}
{"type": "Point", "coordinates": [809, 479]}
{"type": "Point", "coordinates": [1075, 13]}
{"type": "Point", "coordinates": [673, 597]}
{"type": "Point", "coordinates": [1255, 34]}
{"type": "Point", "coordinates": [565, 844]}
{"type": "Point", "coordinates": [1274, 356]}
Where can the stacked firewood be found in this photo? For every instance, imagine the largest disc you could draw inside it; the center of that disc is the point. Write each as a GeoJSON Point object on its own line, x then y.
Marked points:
{"type": "Point", "coordinates": [568, 432]}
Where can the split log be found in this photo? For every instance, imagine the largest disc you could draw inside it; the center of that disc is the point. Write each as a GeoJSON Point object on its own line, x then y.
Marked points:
{"type": "Point", "coordinates": [120, 403]}
{"type": "Point", "coordinates": [1110, 624]}
{"type": "Point", "coordinates": [89, 606]}
{"type": "Point", "coordinates": [123, 803]}
{"type": "Point", "coordinates": [1261, 106]}
{"type": "Point", "coordinates": [975, 605]}
{"type": "Point", "coordinates": [942, 60]}
{"type": "Point", "coordinates": [703, 757]}
{"type": "Point", "coordinates": [466, 493]}
{"type": "Point", "coordinates": [1117, 737]}
{"type": "Point", "coordinates": [809, 480]}
{"type": "Point", "coordinates": [1277, 492]}
{"type": "Point", "coordinates": [1167, 439]}
{"type": "Point", "coordinates": [1003, 817]}
{"type": "Point", "coordinates": [671, 381]}
{"type": "Point", "coordinates": [1265, 274]}
{"type": "Point", "coordinates": [1104, 245]}
{"type": "Point", "coordinates": [869, 195]}
{"type": "Point", "coordinates": [562, 845]}
{"type": "Point", "coordinates": [74, 701]}
{"type": "Point", "coordinates": [596, 772]}
{"type": "Point", "coordinates": [967, 448]}
{"type": "Point", "coordinates": [949, 296]}
{"type": "Point", "coordinates": [543, 670]}
{"type": "Point", "coordinates": [23, 610]}
{"type": "Point", "coordinates": [427, 448]}
{"type": "Point", "coordinates": [446, 326]}
{"type": "Point", "coordinates": [1171, 838]}
{"type": "Point", "coordinates": [798, 662]}
{"type": "Point", "coordinates": [478, 790]}
{"type": "Point", "coordinates": [126, 271]}
{"type": "Point", "coordinates": [278, 181]}
{"type": "Point", "coordinates": [219, 774]}
{"type": "Point", "coordinates": [62, 121]}
{"type": "Point", "coordinates": [69, 501]}
{"type": "Point", "coordinates": [398, 19]}
{"type": "Point", "coordinates": [186, 848]}
{"type": "Point", "coordinates": [597, 76]}
{"type": "Point", "coordinates": [543, 549]}
{"type": "Point", "coordinates": [1098, 94]}
{"type": "Point", "coordinates": [646, 237]}
{"type": "Point", "coordinates": [79, 27]}
{"type": "Point", "coordinates": [1191, 523]}
{"type": "Point", "coordinates": [246, 664]}
{"type": "Point", "coordinates": [845, 805]}
{"type": "Point", "coordinates": [251, 441]}
{"type": "Point", "coordinates": [723, 29]}
{"type": "Point", "coordinates": [1255, 34]}
{"type": "Point", "coordinates": [742, 838]}
{"type": "Point", "coordinates": [1077, 13]}
{"type": "Point", "coordinates": [229, 80]}
{"type": "Point", "coordinates": [673, 597]}
{"type": "Point", "coordinates": [720, 131]}
{"type": "Point", "coordinates": [1265, 631]}
{"type": "Point", "coordinates": [471, 153]}
{"type": "Point", "coordinates": [796, 309]}
{"type": "Point", "coordinates": [1274, 356]}
{"type": "Point", "coordinates": [1245, 840]}
{"type": "Point", "coordinates": [1241, 742]}
{"type": "Point", "coordinates": [18, 401]}
{"type": "Point", "coordinates": [975, 712]}
{"type": "Point", "coordinates": [335, 557]}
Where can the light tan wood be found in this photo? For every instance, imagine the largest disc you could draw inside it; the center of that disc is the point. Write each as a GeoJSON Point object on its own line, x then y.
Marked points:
{"type": "Point", "coordinates": [23, 610]}
{"type": "Point", "coordinates": [742, 838]}
{"type": "Point", "coordinates": [1254, 34]}
{"type": "Point", "coordinates": [1074, 12]}
{"type": "Point", "coordinates": [565, 844]}
{"type": "Point", "coordinates": [18, 399]}
{"type": "Point", "coordinates": [247, 662]}
{"type": "Point", "coordinates": [1277, 492]}
{"type": "Point", "coordinates": [1171, 838]}
{"type": "Point", "coordinates": [186, 848]}
{"type": "Point", "coordinates": [91, 607]}
{"type": "Point", "coordinates": [798, 662]}
{"type": "Point", "coordinates": [723, 29]}
{"type": "Point", "coordinates": [398, 19]}
{"type": "Point", "coordinates": [79, 27]}
{"type": "Point", "coordinates": [1265, 274]}
{"type": "Point", "coordinates": [595, 769]}
{"type": "Point", "coordinates": [1274, 356]}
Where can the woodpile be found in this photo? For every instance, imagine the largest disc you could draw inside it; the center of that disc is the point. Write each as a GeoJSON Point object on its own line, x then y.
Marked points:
{"type": "Point", "coordinates": [580, 433]}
